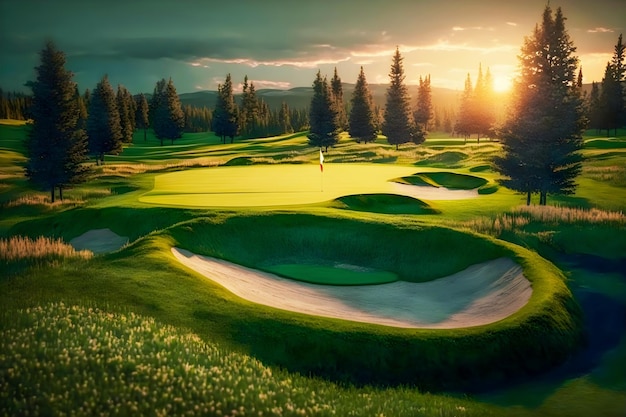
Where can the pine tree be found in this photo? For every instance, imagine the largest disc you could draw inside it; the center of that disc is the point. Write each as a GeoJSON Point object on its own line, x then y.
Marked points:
{"type": "Point", "coordinates": [594, 108]}
{"type": "Point", "coordinates": [483, 111]}
{"type": "Point", "coordinates": [226, 114]}
{"type": "Point", "coordinates": [398, 123]}
{"type": "Point", "coordinates": [424, 109]}
{"type": "Point", "coordinates": [323, 116]}
{"type": "Point", "coordinates": [249, 114]}
{"type": "Point", "coordinates": [284, 117]}
{"type": "Point", "coordinates": [56, 147]}
{"type": "Point", "coordinates": [464, 123]}
{"type": "Point", "coordinates": [612, 96]}
{"type": "Point", "coordinates": [103, 123]}
{"type": "Point", "coordinates": [142, 121]}
{"type": "Point", "coordinates": [362, 124]}
{"type": "Point", "coordinates": [542, 136]}
{"type": "Point", "coordinates": [124, 109]}
{"type": "Point", "coordinates": [337, 90]}
{"type": "Point", "coordinates": [168, 119]}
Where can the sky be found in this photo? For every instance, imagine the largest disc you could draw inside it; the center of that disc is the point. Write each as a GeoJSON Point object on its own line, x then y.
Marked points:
{"type": "Point", "coordinates": [283, 43]}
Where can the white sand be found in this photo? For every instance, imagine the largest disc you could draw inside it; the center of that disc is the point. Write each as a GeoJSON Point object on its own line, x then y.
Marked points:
{"type": "Point", "coordinates": [481, 294]}
{"type": "Point", "coordinates": [427, 192]}
{"type": "Point", "coordinates": [99, 241]}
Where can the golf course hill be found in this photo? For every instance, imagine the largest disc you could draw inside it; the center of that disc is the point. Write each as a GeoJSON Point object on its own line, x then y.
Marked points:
{"type": "Point", "coordinates": [454, 341]}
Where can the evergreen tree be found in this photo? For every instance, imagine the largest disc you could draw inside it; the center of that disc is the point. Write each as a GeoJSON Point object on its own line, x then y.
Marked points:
{"type": "Point", "coordinates": [323, 116]}
{"type": "Point", "coordinates": [284, 117]}
{"type": "Point", "coordinates": [398, 123]}
{"type": "Point", "coordinates": [594, 108]}
{"type": "Point", "coordinates": [612, 96]}
{"type": "Point", "coordinates": [337, 90]}
{"type": "Point", "coordinates": [169, 119]}
{"type": "Point", "coordinates": [103, 123]}
{"type": "Point", "coordinates": [362, 124]}
{"type": "Point", "coordinates": [82, 110]}
{"type": "Point", "coordinates": [250, 108]}
{"type": "Point", "coordinates": [156, 101]}
{"type": "Point", "coordinates": [142, 120]}
{"type": "Point", "coordinates": [464, 122]}
{"type": "Point", "coordinates": [124, 109]}
{"type": "Point", "coordinates": [56, 147]}
{"type": "Point", "coordinates": [484, 105]}
{"type": "Point", "coordinates": [424, 109]}
{"type": "Point", "coordinates": [542, 136]}
{"type": "Point", "coordinates": [225, 115]}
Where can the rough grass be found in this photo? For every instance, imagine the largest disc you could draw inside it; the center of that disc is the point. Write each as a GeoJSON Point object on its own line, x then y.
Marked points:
{"type": "Point", "coordinates": [18, 248]}
{"type": "Point", "coordinates": [73, 360]}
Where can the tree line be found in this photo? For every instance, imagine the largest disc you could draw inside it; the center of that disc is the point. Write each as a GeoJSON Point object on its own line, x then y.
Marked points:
{"type": "Point", "coordinates": [542, 136]}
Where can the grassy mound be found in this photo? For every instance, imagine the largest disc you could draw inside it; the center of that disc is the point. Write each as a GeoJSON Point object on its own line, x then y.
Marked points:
{"type": "Point", "coordinates": [333, 274]}
{"type": "Point", "coordinates": [432, 359]}
{"type": "Point", "coordinates": [261, 241]}
{"type": "Point", "coordinates": [449, 180]}
{"type": "Point", "coordinates": [443, 159]}
{"type": "Point", "coordinates": [383, 203]}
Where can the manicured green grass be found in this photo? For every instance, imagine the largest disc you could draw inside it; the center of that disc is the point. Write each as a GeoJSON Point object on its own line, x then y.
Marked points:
{"type": "Point", "coordinates": [332, 275]}
{"type": "Point", "coordinates": [449, 180]}
{"type": "Point", "coordinates": [144, 278]}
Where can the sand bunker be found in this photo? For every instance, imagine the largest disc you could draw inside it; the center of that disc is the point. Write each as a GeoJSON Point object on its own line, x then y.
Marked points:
{"type": "Point", "coordinates": [481, 294]}
{"type": "Point", "coordinates": [425, 192]}
{"type": "Point", "coordinates": [99, 241]}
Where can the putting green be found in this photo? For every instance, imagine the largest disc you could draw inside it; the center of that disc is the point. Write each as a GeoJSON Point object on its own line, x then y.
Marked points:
{"type": "Point", "coordinates": [340, 274]}
{"type": "Point", "coordinates": [277, 185]}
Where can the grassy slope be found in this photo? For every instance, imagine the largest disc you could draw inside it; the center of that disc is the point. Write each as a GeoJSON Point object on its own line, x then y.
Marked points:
{"type": "Point", "coordinates": [600, 186]}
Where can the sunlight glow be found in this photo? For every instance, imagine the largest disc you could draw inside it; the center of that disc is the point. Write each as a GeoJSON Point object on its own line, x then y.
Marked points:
{"type": "Point", "coordinates": [502, 83]}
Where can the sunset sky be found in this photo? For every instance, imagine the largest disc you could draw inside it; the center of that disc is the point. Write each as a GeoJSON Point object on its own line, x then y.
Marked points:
{"type": "Point", "coordinates": [282, 43]}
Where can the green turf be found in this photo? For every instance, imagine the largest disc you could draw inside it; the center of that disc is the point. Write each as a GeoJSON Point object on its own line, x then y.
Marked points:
{"type": "Point", "coordinates": [333, 275]}
{"type": "Point", "coordinates": [145, 278]}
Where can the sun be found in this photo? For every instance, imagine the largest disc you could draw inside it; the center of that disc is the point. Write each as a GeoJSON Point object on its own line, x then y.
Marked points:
{"type": "Point", "coordinates": [502, 84]}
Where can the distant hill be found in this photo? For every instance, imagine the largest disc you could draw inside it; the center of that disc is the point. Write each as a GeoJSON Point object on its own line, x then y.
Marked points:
{"type": "Point", "coordinates": [300, 97]}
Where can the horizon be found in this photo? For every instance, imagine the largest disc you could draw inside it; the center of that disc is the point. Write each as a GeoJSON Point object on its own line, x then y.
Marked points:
{"type": "Point", "coordinates": [281, 46]}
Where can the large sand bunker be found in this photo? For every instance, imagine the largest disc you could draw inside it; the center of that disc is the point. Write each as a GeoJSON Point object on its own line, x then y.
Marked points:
{"type": "Point", "coordinates": [481, 294]}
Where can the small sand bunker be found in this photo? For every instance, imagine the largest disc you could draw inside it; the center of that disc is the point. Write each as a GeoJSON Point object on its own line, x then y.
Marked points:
{"type": "Point", "coordinates": [99, 241]}
{"type": "Point", "coordinates": [481, 294]}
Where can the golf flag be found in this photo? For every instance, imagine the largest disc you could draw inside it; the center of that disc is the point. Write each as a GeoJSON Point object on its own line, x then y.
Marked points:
{"type": "Point", "coordinates": [321, 161]}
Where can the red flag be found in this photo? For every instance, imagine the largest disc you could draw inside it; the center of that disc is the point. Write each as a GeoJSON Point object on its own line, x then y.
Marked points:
{"type": "Point", "coordinates": [321, 161]}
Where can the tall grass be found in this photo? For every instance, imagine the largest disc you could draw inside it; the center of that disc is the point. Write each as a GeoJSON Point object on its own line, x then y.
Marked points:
{"type": "Point", "coordinates": [18, 248]}
{"type": "Point", "coordinates": [569, 215]}
{"type": "Point", "coordinates": [78, 361]}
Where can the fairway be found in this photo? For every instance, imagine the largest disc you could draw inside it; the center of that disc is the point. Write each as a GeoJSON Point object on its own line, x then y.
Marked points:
{"type": "Point", "coordinates": [277, 185]}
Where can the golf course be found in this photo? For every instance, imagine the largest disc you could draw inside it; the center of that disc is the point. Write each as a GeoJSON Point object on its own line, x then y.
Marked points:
{"type": "Point", "coordinates": [210, 278]}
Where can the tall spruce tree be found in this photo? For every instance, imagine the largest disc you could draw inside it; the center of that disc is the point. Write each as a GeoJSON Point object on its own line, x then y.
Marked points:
{"type": "Point", "coordinates": [142, 121]}
{"type": "Point", "coordinates": [103, 123]}
{"type": "Point", "coordinates": [323, 116]}
{"type": "Point", "coordinates": [362, 123]}
{"type": "Point", "coordinates": [464, 122]}
{"type": "Point", "coordinates": [424, 108]}
{"type": "Point", "coordinates": [542, 136]}
{"type": "Point", "coordinates": [398, 123]}
{"type": "Point", "coordinates": [56, 146]}
{"type": "Point", "coordinates": [169, 119]}
{"type": "Point", "coordinates": [249, 114]}
{"type": "Point", "coordinates": [337, 90]}
{"type": "Point", "coordinates": [125, 110]}
{"type": "Point", "coordinates": [612, 95]}
{"type": "Point", "coordinates": [284, 117]}
{"type": "Point", "coordinates": [483, 114]}
{"type": "Point", "coordinates": [226, 114]}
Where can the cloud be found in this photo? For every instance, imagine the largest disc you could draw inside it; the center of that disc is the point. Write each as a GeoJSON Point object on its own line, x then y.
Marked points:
{"type": "Point", "coordinates": [511, 23]}
{"type": "Point", "coordinates": [600, 30]}
{"type": "Point", "coordinates": [461, 28]}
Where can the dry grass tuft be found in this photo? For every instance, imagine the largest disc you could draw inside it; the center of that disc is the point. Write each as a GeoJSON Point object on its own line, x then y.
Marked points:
{"type": "Point", "coordinates": [18, 248]}
{"type": "Point", "coordinates": [556, 214]}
